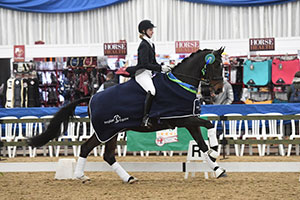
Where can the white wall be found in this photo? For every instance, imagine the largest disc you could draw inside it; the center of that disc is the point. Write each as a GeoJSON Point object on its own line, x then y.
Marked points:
{"type": "Point", "coordinates": [233, 48]}
{"type": "Point", "coordinates": [175, 20]}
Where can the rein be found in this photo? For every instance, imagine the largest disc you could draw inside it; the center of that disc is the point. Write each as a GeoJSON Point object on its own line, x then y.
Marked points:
{"type": "Point", "coordinates": [187, 76]}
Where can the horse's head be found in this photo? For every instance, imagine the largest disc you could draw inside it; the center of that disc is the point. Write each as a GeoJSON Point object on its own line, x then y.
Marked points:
{"type": "Point", "coordinates": [212, 72]}
{"type": "Point", "coordinates": [203, 65]}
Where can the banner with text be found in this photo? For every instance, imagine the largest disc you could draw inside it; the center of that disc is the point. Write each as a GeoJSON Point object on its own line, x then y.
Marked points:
{"type": "Point", "coordinates": [115, 48]}
{"type": "Point", "coordinates": [187, 46]}
{"type": "Point", "coordinates": [261, 44]}
{"type": "Point", "coordinates": [165, 140]}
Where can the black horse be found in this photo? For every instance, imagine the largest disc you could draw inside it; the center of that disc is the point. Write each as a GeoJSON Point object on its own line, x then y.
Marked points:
{"type": "Point", "coordinates": [201, 66]}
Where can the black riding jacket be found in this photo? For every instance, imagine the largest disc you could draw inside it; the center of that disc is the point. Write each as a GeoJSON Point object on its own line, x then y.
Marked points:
{"type": "Point", "coordinates": [146, 58]}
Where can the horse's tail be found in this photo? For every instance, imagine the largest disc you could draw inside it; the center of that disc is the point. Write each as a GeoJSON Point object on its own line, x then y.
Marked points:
{"type": "Point", "coordinates": [54, 128]}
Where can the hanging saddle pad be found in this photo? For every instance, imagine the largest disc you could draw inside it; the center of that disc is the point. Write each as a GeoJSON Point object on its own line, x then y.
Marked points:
{"type": "Point", "coordinates": [283, 71]}
{"type": "Point", "coordinates": [121, 106]}
{"type": "Point", "coordinates": [257, 73]}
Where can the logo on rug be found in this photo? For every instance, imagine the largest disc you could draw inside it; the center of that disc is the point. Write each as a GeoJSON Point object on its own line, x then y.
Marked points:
{"type": "Point", "coordinates": [166, 136]}
{"type": "Point", "coordinates": [116, 119]}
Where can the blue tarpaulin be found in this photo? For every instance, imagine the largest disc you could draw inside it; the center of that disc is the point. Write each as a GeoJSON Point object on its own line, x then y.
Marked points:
{"type": "Point", "coordinates": [244, 109]}
{"type": "Point", "coordinates": [66, 6]}
{"type": "Point", "coordinates": [38, 111]}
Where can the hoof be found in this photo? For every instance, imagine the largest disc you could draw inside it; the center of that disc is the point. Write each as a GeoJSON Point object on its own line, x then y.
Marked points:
{"type": "Point", "coordinates": [220, 172]}
{"type": "Point", "coordinates": [132, 180]}
{"type": "Point", "coordinates": [83, 179]}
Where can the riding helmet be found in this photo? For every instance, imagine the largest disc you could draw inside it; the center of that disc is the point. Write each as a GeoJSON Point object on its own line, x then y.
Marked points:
{"type": "Point", "coordinates": [144, 25]}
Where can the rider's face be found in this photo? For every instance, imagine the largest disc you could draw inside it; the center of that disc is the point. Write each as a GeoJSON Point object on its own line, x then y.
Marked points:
{"type": "Point", "coordinates": [149, 32]}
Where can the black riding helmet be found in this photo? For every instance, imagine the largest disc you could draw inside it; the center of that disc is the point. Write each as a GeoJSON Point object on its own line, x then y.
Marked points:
{"type": "Point", "coordinates": [144, 25]}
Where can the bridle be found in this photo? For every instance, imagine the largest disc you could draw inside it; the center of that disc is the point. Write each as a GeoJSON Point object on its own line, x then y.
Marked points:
{"type": "Point", "coordinates": [209, 60]}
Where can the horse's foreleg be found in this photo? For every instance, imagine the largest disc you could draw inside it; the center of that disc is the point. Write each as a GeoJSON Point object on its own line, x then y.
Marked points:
{"type": "Point", "coordinates": [196, 134]}
{"type": "Point", "coordinates": [211, 131]}
{"type": "Point", "coordinates": [109, 157]}
{"type": "Point", "coordinates": [86, 148]}
{"type": "Point", "coordinates": [212, 138]}
{"type": "Point", "coordinates": [208, 154]}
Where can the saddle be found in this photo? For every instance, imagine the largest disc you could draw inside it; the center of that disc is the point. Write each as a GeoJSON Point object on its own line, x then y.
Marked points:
{"type": "Point", "coordinates": [122, 71]}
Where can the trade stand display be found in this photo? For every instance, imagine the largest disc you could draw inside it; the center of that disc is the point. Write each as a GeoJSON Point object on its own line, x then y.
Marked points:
{"type": "Point", "coordinates": [233, 71]}
{"type": "Point", "coordinates": [52, 82]}
{"type": "Point", "coordinates": [22, 86]}
{"type": "Point", "coordinates": [261, 79]}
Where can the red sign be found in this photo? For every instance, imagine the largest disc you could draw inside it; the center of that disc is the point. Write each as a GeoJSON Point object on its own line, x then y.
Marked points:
{"type": "Point", "coordinates": [19, 53]}
{"type": "Point", "coordinates": [186, 46]}
{"type": "Point", "coordinates": [261, 44]}
{"type": "Point", "coordinates": [115, 48]}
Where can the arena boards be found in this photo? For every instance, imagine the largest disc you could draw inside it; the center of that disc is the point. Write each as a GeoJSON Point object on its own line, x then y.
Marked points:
{"type": "Point", "coordinates": [158, 167]}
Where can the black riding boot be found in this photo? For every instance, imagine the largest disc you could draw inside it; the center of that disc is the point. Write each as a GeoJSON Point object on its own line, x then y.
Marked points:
{"type": "Point", "coordinates": [148, 104]}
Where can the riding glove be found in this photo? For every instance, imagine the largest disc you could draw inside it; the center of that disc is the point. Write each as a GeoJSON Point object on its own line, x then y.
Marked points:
{"type": "Point", "coordinates": [165, 68]}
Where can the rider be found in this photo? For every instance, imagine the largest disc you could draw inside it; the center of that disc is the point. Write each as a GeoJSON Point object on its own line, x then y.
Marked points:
{"type": "Point", "coordinates": [146, 65]}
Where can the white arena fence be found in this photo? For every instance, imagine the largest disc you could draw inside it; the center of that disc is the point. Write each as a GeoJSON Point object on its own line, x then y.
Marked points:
{"type": "Point", "coordinates": [259, 167]}
{"type": "Point", "coordinates": [9, 144]}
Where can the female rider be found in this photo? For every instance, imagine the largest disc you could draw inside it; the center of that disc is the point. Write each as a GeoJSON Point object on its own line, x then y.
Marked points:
{"type": "Point", "coordinates": [146, 64]}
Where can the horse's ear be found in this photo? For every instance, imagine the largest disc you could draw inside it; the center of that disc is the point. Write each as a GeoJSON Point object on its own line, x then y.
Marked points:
{"type": "Point", "coordinates": [221, 50]}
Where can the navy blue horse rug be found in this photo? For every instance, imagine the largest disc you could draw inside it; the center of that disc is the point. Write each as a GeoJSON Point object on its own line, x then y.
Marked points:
{"type": "Point", "coordinates": [121, 106]}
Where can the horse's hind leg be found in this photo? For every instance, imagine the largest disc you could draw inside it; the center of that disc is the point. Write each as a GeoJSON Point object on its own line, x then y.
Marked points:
{"type": "Point", "coordinates": [109, 157]}
{"type": "Point", "coordinates": [211, 161]}
{"type": "Point", "coordinates": [86, 148]}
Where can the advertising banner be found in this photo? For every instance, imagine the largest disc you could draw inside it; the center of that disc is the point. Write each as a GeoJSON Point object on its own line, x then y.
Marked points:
{"type": "Point", "coordinates": [187, 46]}
{"type": "Point", "coordinates": [261, 44]}
{"type": "Point", "coordinates": [165, 140]}
{"type": "Point", "coordinates": [19, 53]}
{"type": "Point", "coordinates": [115, 48]}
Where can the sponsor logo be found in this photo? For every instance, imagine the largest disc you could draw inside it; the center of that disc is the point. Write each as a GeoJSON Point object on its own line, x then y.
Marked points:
{"type": "Point", "coordinates": [186, 46]}
{"type": "Point", "coordinates": [166, 136]}
{"type": "Point", "coordinates": [115, 48]}
{"type": "Point", "coordinates": [261, 44]}
{"type": "Point", "coordinates": [19, 53]}
{"type": "Point", "coordinates": [116, 119]}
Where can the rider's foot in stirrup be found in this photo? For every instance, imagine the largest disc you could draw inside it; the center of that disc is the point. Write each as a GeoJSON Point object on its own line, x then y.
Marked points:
{"type": "Point", "coordinates": [146, 122]}
{"type": "Point", "coordinates": [83, 179]}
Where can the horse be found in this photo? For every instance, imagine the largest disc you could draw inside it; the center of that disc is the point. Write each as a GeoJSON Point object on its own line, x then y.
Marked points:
{"type": "Point", "coordinates": [202, 66]}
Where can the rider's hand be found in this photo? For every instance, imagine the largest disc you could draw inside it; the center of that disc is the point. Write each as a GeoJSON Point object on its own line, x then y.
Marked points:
{"type": "Point", "coordinates": [165, 68]}
{"type": "Point", "coordinates": [172, 66]}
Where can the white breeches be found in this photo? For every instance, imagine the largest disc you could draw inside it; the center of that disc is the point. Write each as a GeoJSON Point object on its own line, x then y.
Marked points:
{"type": "Point", "coordinates": [144, 79]}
